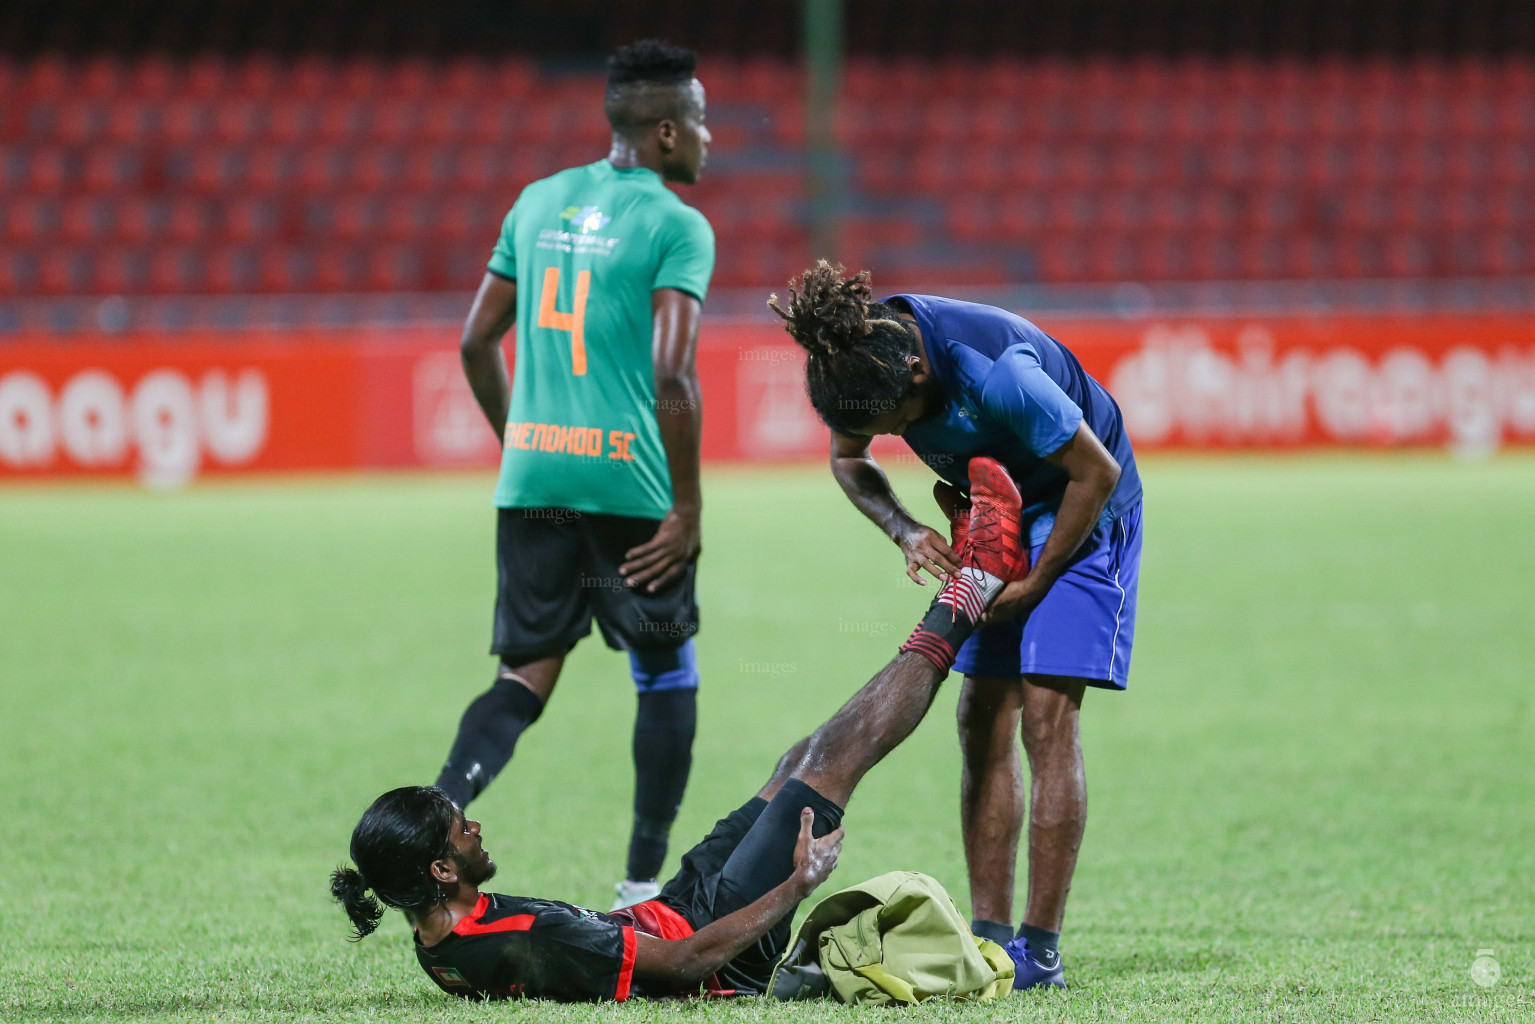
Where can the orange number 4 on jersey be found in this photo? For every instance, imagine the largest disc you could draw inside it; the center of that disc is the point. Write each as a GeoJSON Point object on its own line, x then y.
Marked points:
{"type": "Point", "coordinates": [574, 321]}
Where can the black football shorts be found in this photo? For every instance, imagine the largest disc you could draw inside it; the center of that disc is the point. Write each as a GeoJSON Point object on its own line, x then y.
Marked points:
{"type": "Point", "coordinates": [557, 569]}
{"type": "Point", "coordinates": [694, 892]}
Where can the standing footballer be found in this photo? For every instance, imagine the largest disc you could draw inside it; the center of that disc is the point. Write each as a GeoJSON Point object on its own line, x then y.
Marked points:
{"type": "Point", "coordinates": [598, 499]}
{"type": "Point", "coordinates": [956, 380]}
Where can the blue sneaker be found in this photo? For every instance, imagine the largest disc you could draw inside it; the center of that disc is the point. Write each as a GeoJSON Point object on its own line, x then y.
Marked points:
{"type": "Point", "coordinates": [1047, 972]}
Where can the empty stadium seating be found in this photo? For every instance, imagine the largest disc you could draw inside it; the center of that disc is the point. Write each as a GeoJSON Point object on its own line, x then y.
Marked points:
{"type": "Point", "coordinates": [230, 176]}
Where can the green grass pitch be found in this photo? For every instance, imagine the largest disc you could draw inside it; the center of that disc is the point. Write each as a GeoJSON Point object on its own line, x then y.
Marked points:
{"type": "Point", "coordinates": [1314, 803]}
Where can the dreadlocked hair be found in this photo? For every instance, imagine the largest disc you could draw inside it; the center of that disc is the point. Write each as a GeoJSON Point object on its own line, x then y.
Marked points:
{"type": "Point", "coordinates": [394, 845]}
{"type": "Point", "coordinates": [856, 369]}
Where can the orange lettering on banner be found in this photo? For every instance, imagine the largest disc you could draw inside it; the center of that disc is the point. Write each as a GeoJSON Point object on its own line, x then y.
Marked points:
{"type": "Point", "coordinates": [286, 400]}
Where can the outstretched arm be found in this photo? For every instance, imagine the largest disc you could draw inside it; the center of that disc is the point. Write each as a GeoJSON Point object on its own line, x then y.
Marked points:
{"type": "Point", "coordinates": [491, 316]}
{"type": "Point", "coordinates": [679, 414]}
{"type": "Point", "coordinates": [685, 963]}
{"type": "Point", "coordinates": [867, 487]}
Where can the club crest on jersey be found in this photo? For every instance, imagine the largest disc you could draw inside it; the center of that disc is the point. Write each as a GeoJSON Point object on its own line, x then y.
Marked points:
{"type": "Point", "coordinates": [450, 977]}
{"type": "Point", "coordinates": [585, 219]}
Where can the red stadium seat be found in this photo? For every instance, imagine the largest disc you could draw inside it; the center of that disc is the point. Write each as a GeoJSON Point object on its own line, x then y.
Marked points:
{"type": "Point", "coordinates": [131, 120]}
{"type": "Point", "coordinates": [377, 168]}
{"type": "Point", "coordinates": [258, 77]}
{"type": "Point", "coordinates": [1261, 257]}
{"type": "Point", "coordinates": [291, 120]}
{"type": "Point", "coordinates": [392, 268]}
{"type": "Point", "coordinates": [65, 272]}
{"type": "Point", "coordinates": [100, 77]}
{"type": "Point", "coordinates": [236, 120]}
{"type": "Point", "coordinates": [267, 169]}
{"type": "Point", "coordinates": [1214, 256]}
{"type": "Point", "coordinates": [338, 268]}
{"type": "Point", "coordinates": [467, 78]}
{"type": "Point", "coordinates": [250, 219]}
{"type": "Point", "coordinates": [218, 169]}
{"type": "Point", "coordinates": [311, 78]}
{"type": "Point", "coordinates": [176, 270]}
{"type": "Point", "coordinates": [141, 218]}
{"type": "Point", "coordinates": [111, 169]}
{"type": "Point", "coordinates": [233, 271]}
{"type": "Point", "coordinates": [286, 269]}
{"type": "Point", "coordinates": [1407, 254]}
{"type": "Point", "coordinates": [1063, 260]}
{"type": "Point", "coordinates": [30, 220]}
{"type": "Point", "coordinates": [152, 78]}
{"type": "Point", "coordinates": [208, 77]}
{"type": "Point", "coordinates": [18, 272]}
{"type": "Point", "coordinates": [1102, 169]}
{"type": "Point", "coordinates": [188, 220]}
{"type": "Point", "coordinates": [50, 77]}
{"type": "Point", "coordinates": [320, 169]}
{"type": "Point", "coordinates": [1112, 258]}
{"type": "Point", "coordinates": [398, 118]}
{"type": "Point", "coordinates": [406, 217]}
{"type": "Point", "coordinates": [345, 119]}
{"type": "Point", "coordinates": [49, 169]}
{"type": "Point", "coordinates": [186, 120]}
{"type": "Point", "coordinates": [85, 221]}
{"type": "Point", "coordinates": [476, 168]}
{"type": "Point", "coordinates": [1508, 253]}
{"type": "Point", "coordinates": [356, 219]}
{"type": "Point", "coordinates": [427, 169]}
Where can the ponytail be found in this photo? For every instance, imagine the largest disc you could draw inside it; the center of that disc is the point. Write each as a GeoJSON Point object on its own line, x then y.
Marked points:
{"type": "Point", "coordinates": [394, 846]}
{"type": "Point", "coordinates": [350, 889]}
{"type": "Point", "coordinates": [856, 348]}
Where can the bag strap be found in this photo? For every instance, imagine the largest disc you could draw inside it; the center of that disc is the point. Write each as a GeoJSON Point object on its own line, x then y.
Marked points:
{"type": "Point", "coordinates": [888, 983]}
{"type": "Point", "coordinates": [997, 959]}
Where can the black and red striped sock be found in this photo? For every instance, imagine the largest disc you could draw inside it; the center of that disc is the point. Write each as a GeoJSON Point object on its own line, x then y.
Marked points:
{"type": "Point", "coordinates": [952, 616]}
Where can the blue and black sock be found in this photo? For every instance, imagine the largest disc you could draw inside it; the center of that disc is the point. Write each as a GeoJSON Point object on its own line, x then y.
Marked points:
{"type": "Point", "coordinates": [664, 725]}
{"type": "Point", "coordinates": [997, 931]}
{"type": "Point", "coordinates": [1043, 943]}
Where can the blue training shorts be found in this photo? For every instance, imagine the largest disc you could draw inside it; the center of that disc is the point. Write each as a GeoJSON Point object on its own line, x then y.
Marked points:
{"type": "Point", "coordinates": [1083, 628]}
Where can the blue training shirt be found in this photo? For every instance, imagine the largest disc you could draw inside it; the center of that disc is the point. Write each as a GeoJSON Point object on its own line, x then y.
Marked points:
{"type": "Point", "coordinates": [1015, 394]}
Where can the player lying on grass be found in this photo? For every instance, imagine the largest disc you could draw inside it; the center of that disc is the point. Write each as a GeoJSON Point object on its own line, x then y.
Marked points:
{"type": "Point", "coordinates": [958, 380]}
{"type": "Point", "coordinates": [723, 920]}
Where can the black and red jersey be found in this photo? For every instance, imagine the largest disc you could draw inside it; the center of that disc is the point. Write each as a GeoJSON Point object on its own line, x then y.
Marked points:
{"type": "Point", "coordinates": [514, 946]}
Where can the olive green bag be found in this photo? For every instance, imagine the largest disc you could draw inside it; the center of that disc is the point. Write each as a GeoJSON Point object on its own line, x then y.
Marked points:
{"type": "Point", "coordinates": [895, 939]}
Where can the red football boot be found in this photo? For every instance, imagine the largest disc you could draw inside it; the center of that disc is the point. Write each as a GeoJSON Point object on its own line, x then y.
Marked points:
{"type": "Point", "coordinates": [995, 530]}
{"type": "Point", "coordinates": [992, 552]}
{"type": "Point", "coordinates": [955, 505]}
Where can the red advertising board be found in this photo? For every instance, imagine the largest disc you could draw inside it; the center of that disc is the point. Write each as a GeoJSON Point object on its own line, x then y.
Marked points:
{"type": "Point", "coordinates": [168, 408]}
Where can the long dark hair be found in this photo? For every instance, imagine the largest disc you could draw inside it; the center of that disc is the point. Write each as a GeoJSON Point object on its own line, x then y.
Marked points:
{"type": "Point", "coordinates": [393, 846]}
{"type": "Point", "coordinates": [857, 347]}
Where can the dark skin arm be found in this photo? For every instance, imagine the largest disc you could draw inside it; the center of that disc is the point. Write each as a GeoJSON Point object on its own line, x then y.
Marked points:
{"type": "Point", "coordinates": [492, 315]}
{"type": "Point", "coordinates": [1092, 474]}
{"type": "Point", "coordinates": [867, 487]}
{"type": "Point", "coordinates": [686, 963]}
{"type": "Point", "coordinates": [679, 414]}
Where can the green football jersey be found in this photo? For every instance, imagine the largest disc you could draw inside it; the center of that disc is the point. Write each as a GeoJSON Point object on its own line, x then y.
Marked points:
{"type": "Point", "coordinates": [586, 247]}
